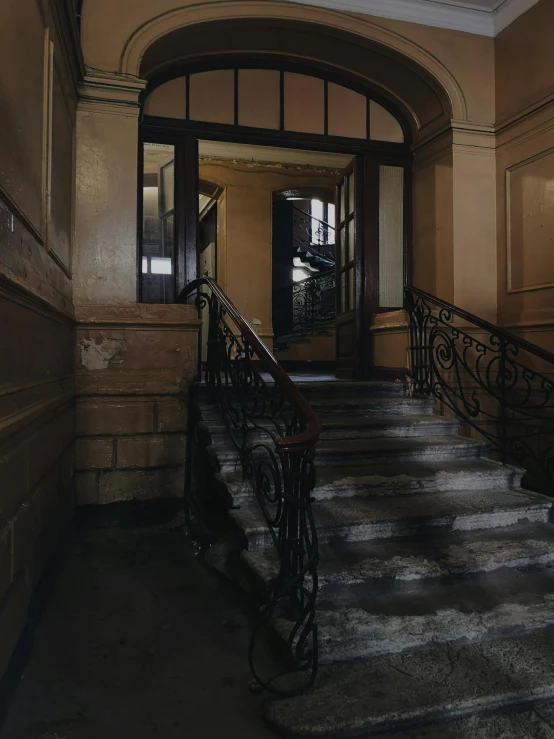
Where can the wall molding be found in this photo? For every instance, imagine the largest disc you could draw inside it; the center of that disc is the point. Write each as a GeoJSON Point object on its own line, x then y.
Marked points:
{"type": "Point", "coordinates": [20, 294]}
{"type": "Point", "coordinates": [107, 92]}
{"type": "Point", "coordinates": [454, 16]}
{"type": "Point", "coordinates": [512, 168]}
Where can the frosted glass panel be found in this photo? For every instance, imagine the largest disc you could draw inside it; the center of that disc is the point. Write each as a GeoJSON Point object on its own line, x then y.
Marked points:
{"type": "Point", "coordinates": [212, 96]}
{"type": "Point", "coordinates": [304, 103]}
{"type": "Point", "coordinates": [391, 236]}
{"type": "Point", "coordinates": [168, 100]}
{"type": "Point", "coordinates": [383, 126]}
{"type": "Point", "coordinates": [347, 112]}
{"type": "Point", "coordinates": [259, 98]}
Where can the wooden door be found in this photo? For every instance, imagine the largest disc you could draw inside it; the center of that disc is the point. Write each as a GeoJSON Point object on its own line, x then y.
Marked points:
{"type": "Point", "coordinates": [349, 270]}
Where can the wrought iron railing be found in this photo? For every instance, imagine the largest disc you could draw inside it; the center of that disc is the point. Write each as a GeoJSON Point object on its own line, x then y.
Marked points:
{"type": "Point", "coordinates": [274, 432]}
{"type": "Point", "coordinates": [313, 236]}
{"type": "Point", "coordinates": [496, 382]}
{"type": "Point", "coordinates": [313, 302]}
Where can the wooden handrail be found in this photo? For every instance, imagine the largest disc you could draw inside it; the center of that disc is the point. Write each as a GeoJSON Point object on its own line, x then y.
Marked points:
{"type": "Point", "coordinates": [490, 327]}
{"type": "Point", "coordinates": [308, 438]}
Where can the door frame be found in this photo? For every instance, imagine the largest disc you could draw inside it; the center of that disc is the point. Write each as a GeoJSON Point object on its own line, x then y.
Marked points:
{"type": "Point", "coordinates": [184, 135]}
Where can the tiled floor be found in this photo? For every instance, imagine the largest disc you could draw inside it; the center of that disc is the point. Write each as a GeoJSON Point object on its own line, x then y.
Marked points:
{"type": "Point", "coordinates": [138, 641]}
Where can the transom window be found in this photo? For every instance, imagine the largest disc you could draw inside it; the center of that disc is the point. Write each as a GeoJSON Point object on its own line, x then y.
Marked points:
{"type": "Point", "coordinates": [274, 100]}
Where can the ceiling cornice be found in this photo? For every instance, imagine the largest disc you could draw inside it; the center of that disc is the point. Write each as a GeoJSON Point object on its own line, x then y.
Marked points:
{"type": "Point", "coordinates": [457, 16]}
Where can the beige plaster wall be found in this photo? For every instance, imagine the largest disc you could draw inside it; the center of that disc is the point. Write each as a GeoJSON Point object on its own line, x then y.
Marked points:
{"type": "Point", "coordinates": [106, 210]}
{"type": "Point", "coordinates": [525, 175]}
{"type": "Point", "coordinates": [245, 231]}
{"type": "Point", "coordinates": [111, 31]}
{"type": "Point", "coordinates": [37, 103]}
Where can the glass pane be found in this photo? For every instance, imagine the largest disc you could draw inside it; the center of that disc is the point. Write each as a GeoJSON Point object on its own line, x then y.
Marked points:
{"type": "Point", "coordinates": [351, 289]}
{"type": "Point", "coordinates": [351, 239]}
{"type": "Point", "coordinates": [351, 193]}
{"type": "Point", "coordinates": [342, 301]}
{"type": "Point", "coordinates": [158, 224]}
{"type": "Point", "coordinates": [391, 236]}
{"type": "Point", "coordinates": [341, 202]}
{"type": "Point", "coordinates": [342, 246]}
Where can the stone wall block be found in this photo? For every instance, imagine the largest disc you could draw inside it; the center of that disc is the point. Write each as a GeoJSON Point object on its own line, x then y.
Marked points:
{"type": "Point", "coordinates": [94, 453]}
{"type": "Point", "coordinates": [86, 488]}
{"type": "Point", "coordinates": [171, 415]}
{"type": "Point", "coordinates": [97, 418]}
{"type": "Point", "coordinates": [150, 451]}
{"type": "Point", "coordinates": [122, 485]}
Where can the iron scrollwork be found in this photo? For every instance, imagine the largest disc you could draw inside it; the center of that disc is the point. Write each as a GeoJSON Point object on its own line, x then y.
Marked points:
{"type": "Point", "coordinates": [313, 302]}
{"type": "Point", "coordinates": [276, 450]}
{"type": "Point", "coordinates": [489, 379]}
{"type": "Point", "coordinates": [313, 236]}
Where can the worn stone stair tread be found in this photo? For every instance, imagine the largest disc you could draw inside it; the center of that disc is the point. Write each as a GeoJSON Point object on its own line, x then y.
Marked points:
{"type": "Point", "coordinates": [365, 518]}
{"type": "Point", "coordinates": [405, 478]}
{"type": "Point", "coordinates": [364, 451]}
{"type": "Point", "coordinates": [458, 554]}
{"type": "Point", "coordinates": [396, 692]}
{"type": "Point", "coordinates": [495, 605]}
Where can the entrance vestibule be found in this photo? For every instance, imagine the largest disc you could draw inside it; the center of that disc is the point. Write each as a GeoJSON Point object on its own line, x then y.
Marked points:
{"type": "Point", "coordinates": [292, 129]}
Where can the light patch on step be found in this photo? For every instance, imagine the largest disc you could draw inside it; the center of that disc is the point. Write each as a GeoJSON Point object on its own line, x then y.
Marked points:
{"type": "Point", "coordinates": [97, 355]}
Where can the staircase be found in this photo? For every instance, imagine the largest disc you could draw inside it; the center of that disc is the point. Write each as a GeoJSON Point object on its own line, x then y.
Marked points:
{"type": "Point", "coordinates": [436, 585]}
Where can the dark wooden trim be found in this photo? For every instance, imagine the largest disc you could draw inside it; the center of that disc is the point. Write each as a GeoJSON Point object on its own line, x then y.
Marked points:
{"type": "Point", "coordinates": [187, 96]}
{"type": "Point", "coordinates": [269, 137]}
{"type": "Point", "coordinates": [282, 63]}
{"type": "Point", "coordinates": [188, 270]}
{"type": "Point", "coordinates": [371, 256]}
{"type": "Point", "coordinates": [236, 96]}
{"type": "Point", "coordinates": [140, 225]}
{"type": "Point", "coordinates": [325, 107]}
{"type": "Point", "coordinates": [281, 100]}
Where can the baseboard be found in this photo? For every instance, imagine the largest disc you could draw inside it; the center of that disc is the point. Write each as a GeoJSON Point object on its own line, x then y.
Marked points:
{"type": "Point", "coordinates": [391, 374]}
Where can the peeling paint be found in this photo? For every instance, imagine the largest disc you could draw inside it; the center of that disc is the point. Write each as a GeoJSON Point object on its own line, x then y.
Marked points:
{"type": "Point", "coordinates": [97, 355]}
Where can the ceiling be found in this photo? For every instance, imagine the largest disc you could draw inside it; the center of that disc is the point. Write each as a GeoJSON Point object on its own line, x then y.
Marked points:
{"type": "Point", "coordinates": [482, 17]}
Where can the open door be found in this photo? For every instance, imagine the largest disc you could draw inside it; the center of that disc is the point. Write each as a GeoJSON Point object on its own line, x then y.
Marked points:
{"type": "Point", "coordinates": [349, 270]}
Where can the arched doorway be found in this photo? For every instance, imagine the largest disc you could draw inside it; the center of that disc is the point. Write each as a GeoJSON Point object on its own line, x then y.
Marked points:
{"type": "Point", "coordinates": [282, 103]}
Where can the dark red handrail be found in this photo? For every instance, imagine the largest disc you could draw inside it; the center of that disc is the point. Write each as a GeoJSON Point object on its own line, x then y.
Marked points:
{"type": "Point", "coordinates": [289, 444]}
{"type": "Point", "coordinates": [490, 327]}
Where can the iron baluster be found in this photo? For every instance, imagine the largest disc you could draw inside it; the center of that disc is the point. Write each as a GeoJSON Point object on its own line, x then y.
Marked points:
{"type": "Point", "coordinates": [274, 432]}
{"type": "Point", "coordinates": [497, 383]}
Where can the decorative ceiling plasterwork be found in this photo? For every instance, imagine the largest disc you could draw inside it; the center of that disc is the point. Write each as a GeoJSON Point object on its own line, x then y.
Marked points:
{"type": "Point", "coordinates": [482, 17]}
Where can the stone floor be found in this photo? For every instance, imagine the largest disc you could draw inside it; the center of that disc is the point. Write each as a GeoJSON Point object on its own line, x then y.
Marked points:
{"type": "Point", "coordinates": [138, 640]}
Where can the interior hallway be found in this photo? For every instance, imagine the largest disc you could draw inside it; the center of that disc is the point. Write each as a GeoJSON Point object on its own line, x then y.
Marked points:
{"type": "Point", "coordinates": [137, 639]}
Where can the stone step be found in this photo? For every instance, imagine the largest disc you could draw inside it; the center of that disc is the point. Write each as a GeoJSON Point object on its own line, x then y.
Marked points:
{"type": "Point", "coordinates": [343, 427]}
{"type": "Point", "coordinates": [364, 519]}
{"type": "Point", "coordinates": [491, 607]}
{"type": "Point", "coordinates": [348, 571]}
{"type": "Point", "coordinates": [328, 407]}
{"type": "Point", "coordinates": [361, 389]}
{"type": "Point", "coordinates": [355, 452]}
{"type": "Point", "coordinates": [398, 479]}
{"type": "Point", "coordinates": [414, 695]}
